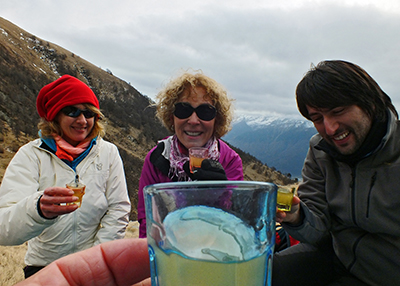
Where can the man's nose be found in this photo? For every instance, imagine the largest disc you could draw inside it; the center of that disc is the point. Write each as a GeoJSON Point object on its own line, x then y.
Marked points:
{"type": "Point", "coordinates": [331, 125]}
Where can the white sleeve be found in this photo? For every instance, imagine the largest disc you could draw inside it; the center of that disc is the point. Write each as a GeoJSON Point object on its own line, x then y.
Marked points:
{"type": "Point", "coordinates": [19, 194]}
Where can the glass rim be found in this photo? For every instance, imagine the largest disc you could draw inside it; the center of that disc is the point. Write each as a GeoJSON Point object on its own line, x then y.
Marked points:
{"type": "Point", "coordinates": [149, 189]}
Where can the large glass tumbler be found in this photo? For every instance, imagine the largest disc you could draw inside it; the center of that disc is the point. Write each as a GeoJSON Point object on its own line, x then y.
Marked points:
{"type": "Point", "coordinates": [211, 232]}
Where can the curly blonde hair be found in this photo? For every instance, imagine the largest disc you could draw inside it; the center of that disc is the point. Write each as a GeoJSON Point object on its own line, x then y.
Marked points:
{"type": "Point", "coordinates": [173, 91]}
{"type": "Point", "coordinates": [49, 128]}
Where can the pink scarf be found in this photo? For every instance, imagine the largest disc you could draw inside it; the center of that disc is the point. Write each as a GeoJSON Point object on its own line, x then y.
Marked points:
{"type": "Point", "coordinates": [67, 151]}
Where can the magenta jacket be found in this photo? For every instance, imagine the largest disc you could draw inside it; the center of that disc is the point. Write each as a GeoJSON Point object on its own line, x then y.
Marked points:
{"type": "Point", "coordinates": [156, 166]}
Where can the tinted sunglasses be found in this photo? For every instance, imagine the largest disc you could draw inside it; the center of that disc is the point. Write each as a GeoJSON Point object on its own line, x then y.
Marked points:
{"type": "Point", "coordinates": [73, 111]}
{"type": "Point", "coordinates": [204, 111]}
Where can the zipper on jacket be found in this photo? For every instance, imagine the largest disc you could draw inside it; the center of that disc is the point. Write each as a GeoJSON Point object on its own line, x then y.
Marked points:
{"type": "Point", "coordinates": [353, 195]}
{"type": "Point", "coordinates": [373, 179]}
{"type": "Point", "coordinates": [74, 232]}
{"type": "Point", "coordinates": [74, 223]}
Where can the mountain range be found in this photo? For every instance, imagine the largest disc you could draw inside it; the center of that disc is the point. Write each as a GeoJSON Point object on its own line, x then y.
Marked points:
{"type": "Point", "coordinates": [278, 142]}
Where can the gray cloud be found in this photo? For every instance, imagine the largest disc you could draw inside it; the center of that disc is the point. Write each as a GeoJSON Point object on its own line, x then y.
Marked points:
{"type": "Point", "coordinates": [259, 52]}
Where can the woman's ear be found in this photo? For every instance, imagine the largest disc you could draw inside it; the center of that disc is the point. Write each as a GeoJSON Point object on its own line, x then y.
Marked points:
{"type": "Point", "coordinates": [172, 127]}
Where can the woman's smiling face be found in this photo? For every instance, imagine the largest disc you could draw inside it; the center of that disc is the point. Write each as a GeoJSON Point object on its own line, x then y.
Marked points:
{"type": "Point", "coordinates": [192, 131]}
{"type": "Point", "coordinates": [75, 129]}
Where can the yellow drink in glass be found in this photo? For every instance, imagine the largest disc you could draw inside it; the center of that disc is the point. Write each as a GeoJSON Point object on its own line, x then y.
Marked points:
{"type": "Point", "coordinates": [196, 156]}
{"type": "Point", "coordinates": [174, 270]}
{"type": "Point", "coordinates": [214, 233]}
{"type": "Point", "coordinates": [195, 163]}
{"type": "Point", "coordinates": [79, 190]}
{"type": "Point", "coordinates": [284, 199]}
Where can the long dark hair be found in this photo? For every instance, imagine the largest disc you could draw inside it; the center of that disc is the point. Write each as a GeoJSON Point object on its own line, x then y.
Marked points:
{"type": "Point", "coordinates": [339, 83]}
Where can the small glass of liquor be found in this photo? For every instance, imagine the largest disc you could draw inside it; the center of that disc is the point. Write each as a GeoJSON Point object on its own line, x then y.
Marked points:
{"type": "Point", "coordinates": [79, 190]}
{"type": "Point", "coordinates": [196, 156]}
{"type": "Point", "coordinates": [284, 198]}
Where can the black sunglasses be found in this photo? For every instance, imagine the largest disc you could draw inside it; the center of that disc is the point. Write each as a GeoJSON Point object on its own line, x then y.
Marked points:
{"type": "Point", "coordinates": [204, 111]}
{"type": "Point", "coordinates": [73, 111]}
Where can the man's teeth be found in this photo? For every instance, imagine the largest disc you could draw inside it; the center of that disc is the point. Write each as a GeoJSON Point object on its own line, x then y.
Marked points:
{"type": "Point", "coordinates": [341, 136]}
{"type": "Point", "coordinates": [192, 133]}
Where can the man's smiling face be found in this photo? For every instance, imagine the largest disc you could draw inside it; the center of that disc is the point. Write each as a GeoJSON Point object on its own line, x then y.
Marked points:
{"type": "Point", "coordinates": [345, 127]}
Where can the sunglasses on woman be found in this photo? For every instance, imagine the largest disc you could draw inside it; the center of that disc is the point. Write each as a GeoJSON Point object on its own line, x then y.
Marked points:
{"type": "Point", "coordinates": [204, 111]}
{"type": "Point", "coordinates": [73, 111]}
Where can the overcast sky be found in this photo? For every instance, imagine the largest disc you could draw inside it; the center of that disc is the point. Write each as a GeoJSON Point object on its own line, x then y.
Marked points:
{"type": "Point", "coordinates": [258, 49]}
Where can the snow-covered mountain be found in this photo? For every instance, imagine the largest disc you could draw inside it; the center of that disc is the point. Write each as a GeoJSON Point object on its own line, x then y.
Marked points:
{"type": "Point", "coordinates": [279, 142]}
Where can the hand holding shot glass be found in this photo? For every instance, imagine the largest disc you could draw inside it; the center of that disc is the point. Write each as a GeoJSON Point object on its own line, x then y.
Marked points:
{"type": "Point", "coordinates": [196, 156]}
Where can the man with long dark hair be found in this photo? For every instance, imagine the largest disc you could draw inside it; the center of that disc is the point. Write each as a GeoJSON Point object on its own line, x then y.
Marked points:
{"type": "Point", "coordinates": [347, 215]}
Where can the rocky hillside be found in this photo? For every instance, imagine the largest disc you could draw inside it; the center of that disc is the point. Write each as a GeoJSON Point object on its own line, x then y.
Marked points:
{"type": "Point", "coordinates": [27, 63]}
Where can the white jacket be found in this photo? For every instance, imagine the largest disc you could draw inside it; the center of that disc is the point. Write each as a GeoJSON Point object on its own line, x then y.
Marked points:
{"type": "Point", "coordinates": [102, 217]}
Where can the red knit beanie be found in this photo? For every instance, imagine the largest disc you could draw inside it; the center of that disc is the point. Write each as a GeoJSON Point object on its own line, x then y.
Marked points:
{"type": "Point", "coordinates": [65, 91]}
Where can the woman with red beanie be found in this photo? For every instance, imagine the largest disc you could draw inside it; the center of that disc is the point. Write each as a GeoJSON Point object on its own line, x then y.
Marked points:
{"type": "Point", "coordinates": [36, 206]}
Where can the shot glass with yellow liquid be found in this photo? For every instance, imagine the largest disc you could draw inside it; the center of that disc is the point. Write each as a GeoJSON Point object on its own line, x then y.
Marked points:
{"type": "Point", "coordinates": [79, 190]}
{"type": "Point", "coordinates": [196, 156]}
{"type": "Point", "coordinates": [284, 198]}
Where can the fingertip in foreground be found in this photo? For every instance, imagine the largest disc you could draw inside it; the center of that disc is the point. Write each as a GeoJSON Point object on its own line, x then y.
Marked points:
{"type": "Point", "coordinates": [118, 262]}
